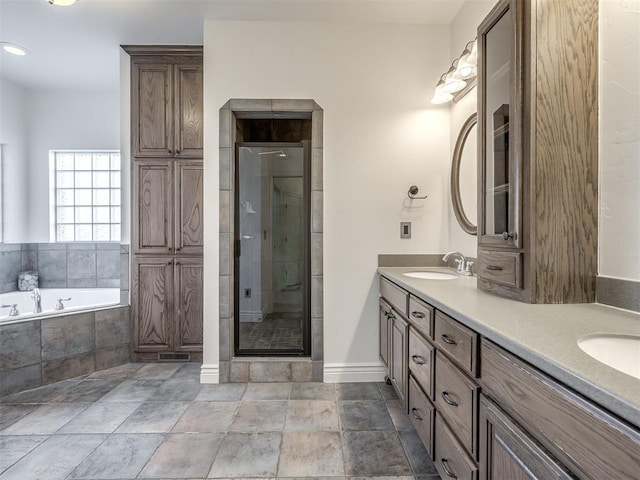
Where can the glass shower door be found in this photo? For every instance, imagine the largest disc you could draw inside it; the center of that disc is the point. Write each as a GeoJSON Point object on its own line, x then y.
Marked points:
{"type": "Point", "coordinates": [272, 313]}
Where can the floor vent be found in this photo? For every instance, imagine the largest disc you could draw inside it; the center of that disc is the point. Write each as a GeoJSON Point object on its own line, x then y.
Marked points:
{"type": "Point", "coordinates": [174, 357]}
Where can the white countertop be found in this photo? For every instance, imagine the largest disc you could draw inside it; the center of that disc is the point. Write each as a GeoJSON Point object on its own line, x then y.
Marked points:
{"type": "Point", "coordinates": [543, 335]}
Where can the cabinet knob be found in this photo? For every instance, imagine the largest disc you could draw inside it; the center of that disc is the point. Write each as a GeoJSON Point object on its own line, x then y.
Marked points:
{"type": "Point", "coordinates": [507, 235]}
{"type": "Point", "coordinates": [177, 151]}
{"type": "Point", "coordinates": [169, 150]}
{"type": "Point", "coordinates": [169, 262]}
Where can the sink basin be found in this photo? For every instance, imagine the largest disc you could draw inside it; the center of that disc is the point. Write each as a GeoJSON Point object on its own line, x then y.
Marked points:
{"type": "Point", "coordinates": [621, 352]}
{"type": "Point", "coordinates": [432, 275]}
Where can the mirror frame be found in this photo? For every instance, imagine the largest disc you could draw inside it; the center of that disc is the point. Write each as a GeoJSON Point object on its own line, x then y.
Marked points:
{"type": "Point", "coordinates": [456, 199]}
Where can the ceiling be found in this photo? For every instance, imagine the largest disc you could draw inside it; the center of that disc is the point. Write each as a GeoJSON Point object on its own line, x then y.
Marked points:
{"type": "Point", "coordinates": [77, 47]}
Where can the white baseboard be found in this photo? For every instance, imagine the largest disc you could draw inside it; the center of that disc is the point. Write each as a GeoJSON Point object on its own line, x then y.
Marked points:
{"type": "Point", "coordinates": [209, 374]}
{"type": "Point", "coordinates": [353, 372]}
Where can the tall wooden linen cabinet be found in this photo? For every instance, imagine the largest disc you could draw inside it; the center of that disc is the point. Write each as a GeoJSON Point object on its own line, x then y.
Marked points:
{"type": "Point", "coordinates": [167, 208]}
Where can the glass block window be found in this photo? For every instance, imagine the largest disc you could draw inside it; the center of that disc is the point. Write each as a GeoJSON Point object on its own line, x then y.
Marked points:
{"type": "Point", "coordinates": [87, 196]}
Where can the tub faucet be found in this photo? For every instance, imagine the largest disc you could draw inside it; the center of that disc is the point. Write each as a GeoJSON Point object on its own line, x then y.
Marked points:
{"type": "Point", "coordinates": [37, 307]}
{"type": "Point", "coordinates": [464, 266]}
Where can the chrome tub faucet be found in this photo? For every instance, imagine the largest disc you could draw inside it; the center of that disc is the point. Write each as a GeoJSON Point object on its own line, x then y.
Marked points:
{"type": "Point", "coordinates": [37, 306]}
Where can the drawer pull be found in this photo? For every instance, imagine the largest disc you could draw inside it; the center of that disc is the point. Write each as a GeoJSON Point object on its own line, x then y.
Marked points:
{"type": "Point", "coordinates": [417, 314]}
{"type": "Point", "coordinates": [417, 359]}
{"type": "Point", "coordinates": [446, 339]}
{"type": "Point", "coordinates": [447, 399]}
{"type": "Point", "coordinates": [494, 268]}
{"type": "Point", "coordinates": [414, 413]}
{"type": "Point", "coordinates": [445, 467]}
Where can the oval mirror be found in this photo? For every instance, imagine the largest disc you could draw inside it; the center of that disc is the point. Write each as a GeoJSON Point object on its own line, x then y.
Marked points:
{"type": "Point", "coordinates": [464, 171]}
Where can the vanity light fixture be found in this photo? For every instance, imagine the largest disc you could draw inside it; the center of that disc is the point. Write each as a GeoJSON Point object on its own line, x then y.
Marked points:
{"type": "Point", "coordinates": [14, 49]}
{"type": "Point", "coordinates": [62, 3]}
{"type": "Point", "coordinates": [462, 71]}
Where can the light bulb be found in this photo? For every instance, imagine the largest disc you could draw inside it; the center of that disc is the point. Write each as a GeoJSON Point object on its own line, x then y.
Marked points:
{"type": "Point", "coordinates": [13, 49]}
{"type": "Point", "coordinates": [439, 95]}
{"type": "Point", "coordinates": [451, 83]}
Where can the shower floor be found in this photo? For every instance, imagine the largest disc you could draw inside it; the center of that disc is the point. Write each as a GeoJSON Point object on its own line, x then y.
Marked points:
{"type": "Point", "coordinates": [278, 331]}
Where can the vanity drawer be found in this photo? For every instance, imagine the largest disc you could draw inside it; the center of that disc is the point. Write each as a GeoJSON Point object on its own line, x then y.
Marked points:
{"type": "Point", "coordinates": [583, 436]}
{"type": "Point", "coordinates": [500, 267]}
{"type": "Point", "coordinates": [450, 458]}
{"type": "Point", "coordinates": [421, 316]}
{"type": "Point", "coordinates": [421, 361]}
{"type": "Point", "coordinates": [456, 398]}
{"type": "Point", "coordinates": [397, 297]}
{"type": "Point", "coordinates": [421, 413]}
{"type": "Point", "coordinates": [460, 342]}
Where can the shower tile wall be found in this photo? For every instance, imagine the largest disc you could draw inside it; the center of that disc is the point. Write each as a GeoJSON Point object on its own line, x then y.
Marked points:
{"type": "Point", "coordinates": [66, 265]}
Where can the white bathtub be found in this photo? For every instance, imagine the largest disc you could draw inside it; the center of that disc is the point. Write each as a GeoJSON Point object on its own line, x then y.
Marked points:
{"type": "Point", "coordinates": [81, 299]}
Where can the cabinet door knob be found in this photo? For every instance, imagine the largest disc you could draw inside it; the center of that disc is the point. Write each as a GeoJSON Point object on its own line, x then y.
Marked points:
{"type": "Point", "coordinates": [445, 467]}
{"type": "Point", "coordinates": [414, 413]}
{"type": "Point", "coordinates": [448, 400]}
{"type": "Point", "coordinates": [169, 150]}
{"type": "Point", "coordinates": [447, 339]}
{"type": "Point", "coordinates": [169, 262]}
{"type": "Point", "coordinates": [417, 359]}
{"type": "Point", "coordinates": [417, 314]}
{"type": "Point", "coordinates": [177, 151]}
{"type": "Point", "coordinates": [507, 235]}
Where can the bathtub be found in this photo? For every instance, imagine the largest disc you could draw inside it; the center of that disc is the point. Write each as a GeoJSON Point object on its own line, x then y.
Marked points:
{"type": "Point", "coordinates": [81, 299]}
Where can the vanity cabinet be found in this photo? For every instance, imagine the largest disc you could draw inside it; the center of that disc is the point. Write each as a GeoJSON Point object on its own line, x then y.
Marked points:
{"type": "Point", "coordinates": [167, 202]}
{"type": "Point", "coordinates": [537, 151]}
{"type": "Point", "coordinates": [167, 110]}
{"type": "Point", "coordinates": [484, 413]}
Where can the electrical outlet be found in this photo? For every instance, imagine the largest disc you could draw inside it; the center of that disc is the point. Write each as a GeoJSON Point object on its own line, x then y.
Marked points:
{"type": "Point", "coordinates": [405, 229]}
{"type": "Point", "coordinates": [247, 293]}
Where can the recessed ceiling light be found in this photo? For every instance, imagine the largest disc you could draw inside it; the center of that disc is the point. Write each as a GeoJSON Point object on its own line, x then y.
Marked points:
{"type": "Point", "coordinates": [62, 3]}
{"type": "Point", "coordinates": [14, 49]}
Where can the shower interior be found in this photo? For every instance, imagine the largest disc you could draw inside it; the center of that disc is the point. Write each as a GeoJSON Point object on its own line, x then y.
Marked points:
{"type": "Point", "coordinates": [272, 315]}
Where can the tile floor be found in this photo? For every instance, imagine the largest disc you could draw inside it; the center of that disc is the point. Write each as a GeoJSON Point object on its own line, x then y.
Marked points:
{"type": "Point", "coordinates": [282, 332]}
{"type": "Point", "coordinates": [156, 421]}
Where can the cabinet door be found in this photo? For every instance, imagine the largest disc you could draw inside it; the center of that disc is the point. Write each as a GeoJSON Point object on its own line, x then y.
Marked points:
{"type": "Point", "coordinates": [152, 303]}
{"type": "Point", "coordinates": [153, 207]}
{"type": "Point", "coordinates": [188, 110]}
{"type": "Point", "coordinates": [384, 335]}
{"type": "Point", "coordinates": [399, 353]}
{"type": "Point", "coordinates": [507, 452]}
{"type": "Point", "coordinates": [499, 122]}
{"type": "Point", "coordinates": [188, 211]}
{"type": "Point", "coordinates": [188, 304]}
{"type": "Point", "coordinates": [152, 115]}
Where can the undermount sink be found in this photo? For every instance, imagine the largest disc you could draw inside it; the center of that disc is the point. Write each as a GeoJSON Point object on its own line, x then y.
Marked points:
{"type": "Point", "coordinates": [432, 275]}
{"type": "Point", "coordinates": [621, 352]}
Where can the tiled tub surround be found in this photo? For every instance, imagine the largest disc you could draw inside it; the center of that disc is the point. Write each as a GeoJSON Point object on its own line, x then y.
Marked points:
{"type": "Point", "coordinates": [41, 351]}
{"type": "Point", "coordinates": [543, 335]}
{"type": "Point", "coordinates": [246, 369]}
{"type": "Point", "coordinates": [79, 300]}
{"type": "Point", "coordinates": [66, 265]}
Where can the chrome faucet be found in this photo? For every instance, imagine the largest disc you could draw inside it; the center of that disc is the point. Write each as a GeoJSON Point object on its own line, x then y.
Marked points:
{"type": "Point", "coordinates": [464, 266]}
{"type": "Point", "coordinates": [37, 307]}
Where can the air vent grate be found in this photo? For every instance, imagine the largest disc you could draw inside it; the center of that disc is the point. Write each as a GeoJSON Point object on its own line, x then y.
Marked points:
{"type": "Point", "coordinates": [174, 357]}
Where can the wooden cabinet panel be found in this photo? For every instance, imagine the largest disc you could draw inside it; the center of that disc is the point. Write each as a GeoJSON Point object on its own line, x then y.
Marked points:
{"type": "Point", "coordinates": [152, 303]}
{"type": "Point", "coordinates": [152, 124]}
{"type": "Point", "coordinates": [581, 435]}
{"type": "Point", "coordinates": [451, 460]}
{"type": "Point", "coordinates": [421, 413]}
{"type": "Point", "coordinates": [501, 267]}
{"type": "Point", "coordinates": [384, 330]}
{"type": "Point", "coordinates": [421, 354]}
{"type": "Point", "coordinates": [456, 398]}
{"type": "Point", "coordinates": [421, 316]}
{"type": "Point", "coordinates": [396, 296]}
{"type": "Point", "coordinates": [458, 341]}
{"type": "Point", "coordinates": [189, 114]}
{"type": "Point", "coordinates": [189, 207]}
{"type": "Point", "coordinates": [188, 304]}
{"type": "Point", "coordinates": [153, 210]}
{"type": "Point", "coordinates": [399, 350]}
{"type": "Point", "coordinates": [508, 452]}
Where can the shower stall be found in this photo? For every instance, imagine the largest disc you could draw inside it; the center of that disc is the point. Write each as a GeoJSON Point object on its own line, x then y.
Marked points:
{"type": "Point", "coordinates": [272, 249]}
